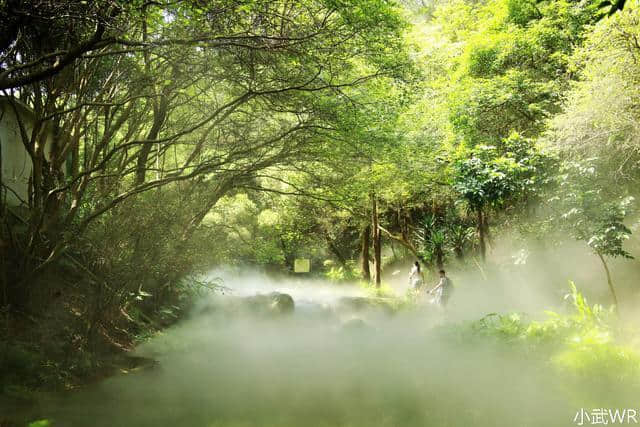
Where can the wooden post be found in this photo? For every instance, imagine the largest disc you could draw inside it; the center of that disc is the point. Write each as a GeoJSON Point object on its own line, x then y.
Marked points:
{"type": "Point", "coordinates": [365, 244]}
{"type": "Point", "coordinates": [481, 235]}
{"type": "Point", "coordinates": [609, 282]}
{"type": "Point", "coordinates": [376, 239]}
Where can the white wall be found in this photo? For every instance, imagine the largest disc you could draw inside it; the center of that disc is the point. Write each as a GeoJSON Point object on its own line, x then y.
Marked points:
{"type": "Point", "coordinates": [15, 161]}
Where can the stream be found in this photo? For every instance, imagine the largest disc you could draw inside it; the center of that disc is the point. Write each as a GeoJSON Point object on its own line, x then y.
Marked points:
{"type": "Point", "coordinates": [336, 360]}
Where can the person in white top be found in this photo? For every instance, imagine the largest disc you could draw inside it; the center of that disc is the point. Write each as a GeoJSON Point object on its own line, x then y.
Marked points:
{"type": "Point", "coordinates": [415, 277]}
{"type": "Point", "coordinates": [442, 291]}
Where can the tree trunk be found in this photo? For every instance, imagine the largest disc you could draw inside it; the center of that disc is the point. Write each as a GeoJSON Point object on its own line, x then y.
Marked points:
{"type": "Point", "coordinates": [159, 112]}
{"type": "Point", "coordinates": [376, 240]}
{"type": "Point", "coordinates": [335, 250]}
{"type": "Point", "coordinates": [393, 251]}
{"type": "Point", "coordinates": [159, 116]}
{"type": "Point", "coordinates": [439, 258]}
{"type": "Point", "coordinates": [365, 244]}
{"type": "Point", "coordinates": [289, 259]}
{"type": "Point", "coordinates": [481, 235]}
{"type": "Point", "coordinates": [609, 282]}
{"type": "Point", "coordinates": [403, 241]}
{"type": "Point", "coordinates": [488, 237]}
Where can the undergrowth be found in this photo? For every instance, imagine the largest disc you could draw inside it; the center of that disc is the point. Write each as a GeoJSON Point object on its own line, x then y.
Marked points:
{"type": "Point", "coordinates": [585, 346]}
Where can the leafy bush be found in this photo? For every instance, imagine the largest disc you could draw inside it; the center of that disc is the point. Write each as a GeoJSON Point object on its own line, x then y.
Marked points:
{"type": "Point", "coordinates": [346, 273]}
{"type": "Point", "coordinates": [17, 361]}
{"type": "Point", "coordinates": [580, 344]}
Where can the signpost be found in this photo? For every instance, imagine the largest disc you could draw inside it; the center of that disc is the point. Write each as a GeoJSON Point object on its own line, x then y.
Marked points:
{"type": "Point", "coordinates": [301, 265]}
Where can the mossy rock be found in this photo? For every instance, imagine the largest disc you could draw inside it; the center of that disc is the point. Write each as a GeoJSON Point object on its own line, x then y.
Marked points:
{"type": "Point", "coordinates": [281, 303]}
{"type": "Point", "coordinates": [274, 303]}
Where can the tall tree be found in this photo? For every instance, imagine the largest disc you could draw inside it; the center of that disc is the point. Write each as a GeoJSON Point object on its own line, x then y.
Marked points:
{"type": "Point", "coordinates": [205, 95]}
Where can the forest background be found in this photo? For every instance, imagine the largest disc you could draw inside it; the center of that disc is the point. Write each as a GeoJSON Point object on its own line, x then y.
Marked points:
{"type": "Point", "coordinates": [473, 136]}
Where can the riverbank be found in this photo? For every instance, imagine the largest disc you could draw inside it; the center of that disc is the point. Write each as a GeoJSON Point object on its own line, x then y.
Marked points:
{"type": "Point", "coordinates": [65, 340]}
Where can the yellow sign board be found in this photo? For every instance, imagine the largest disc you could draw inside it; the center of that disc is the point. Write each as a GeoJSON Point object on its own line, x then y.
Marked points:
{"type": "Point", "coordinates": [301, 265]}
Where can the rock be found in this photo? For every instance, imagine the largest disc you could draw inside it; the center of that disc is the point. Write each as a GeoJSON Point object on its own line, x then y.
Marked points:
{"type": "Point", "coordinates": [272, 303]}
{"type": "Point", "coordinates": [281, 303]}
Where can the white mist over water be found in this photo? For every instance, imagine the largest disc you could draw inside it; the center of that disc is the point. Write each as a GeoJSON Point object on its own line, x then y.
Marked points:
{"type": "Point", "coordinates": [242, 283]}
{"type": "Point", "coordinates": [329, 363]}
{"type": "Point", "coordinates": [336, 361]}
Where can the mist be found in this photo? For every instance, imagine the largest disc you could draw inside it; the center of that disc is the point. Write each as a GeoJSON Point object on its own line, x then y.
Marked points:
{"type": "Point", "coordinates": [334, 363]}
{"type": "Point", "coordinates": [160, 161]}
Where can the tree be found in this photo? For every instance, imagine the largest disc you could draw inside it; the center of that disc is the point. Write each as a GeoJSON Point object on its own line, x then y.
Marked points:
{"type": "Point", "coordinates": [514, 67]}
{"type": "Point", "coordinates": [492, 177]}
{"type": "Point", "coordinates": [597, 136]}
{"type": "Point", "coordinates": [44, 38]}
{"type": "Point", "coordinates": [593, 215]}
{"type": "Point", "coordinates": [600, 118]}
{"type": "Point", "coordinates": [198, 98]}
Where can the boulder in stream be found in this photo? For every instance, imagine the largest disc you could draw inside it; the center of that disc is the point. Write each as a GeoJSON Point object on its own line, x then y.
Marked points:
{"type": "Point", "coordinates": [271, 303]}
{"type": "Point", "coordinates": [274, 303]}
{"type": "Point", "coordinates": [281, 303]}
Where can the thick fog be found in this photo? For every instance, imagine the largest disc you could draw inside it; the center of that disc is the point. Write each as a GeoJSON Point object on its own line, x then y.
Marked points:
{"type": "Point", "coordinates": [340, 360]}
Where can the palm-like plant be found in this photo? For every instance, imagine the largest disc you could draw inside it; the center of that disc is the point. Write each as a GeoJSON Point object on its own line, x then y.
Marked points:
{"type": "Point", "coordinates": [436, 237]}
{"type": "Point", "coordinates": [431, 237]}
{"type": "Point", "coordinates": [460, 237]}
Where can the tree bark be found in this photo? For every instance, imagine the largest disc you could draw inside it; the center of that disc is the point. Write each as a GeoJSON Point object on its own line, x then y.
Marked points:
{"type": "Point", "coordinates": [439, 258]}
{"type": "Point", "coordinates": [481, 235]}
{"type": "Point", "coordinates": [335, 250]}
{"type": "Point", "coordinates": [459, 253]}
{"type": "Point", "coordinates": [609, 281]}
{"type": "Point", "coordinates": [159, 112]}
{"type": "Point", "coordinates": [365, 244]}
{"type": "Point", "coordinates": [159, 116]}
{"type": "Point", "coordinates": [403, 241]}
{"type": "Point", "coordinates": [377, 253]}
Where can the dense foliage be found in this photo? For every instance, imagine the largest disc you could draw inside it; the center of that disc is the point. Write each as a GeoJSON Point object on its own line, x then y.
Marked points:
{"type": "Point", "coordinates": [173, 137]}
